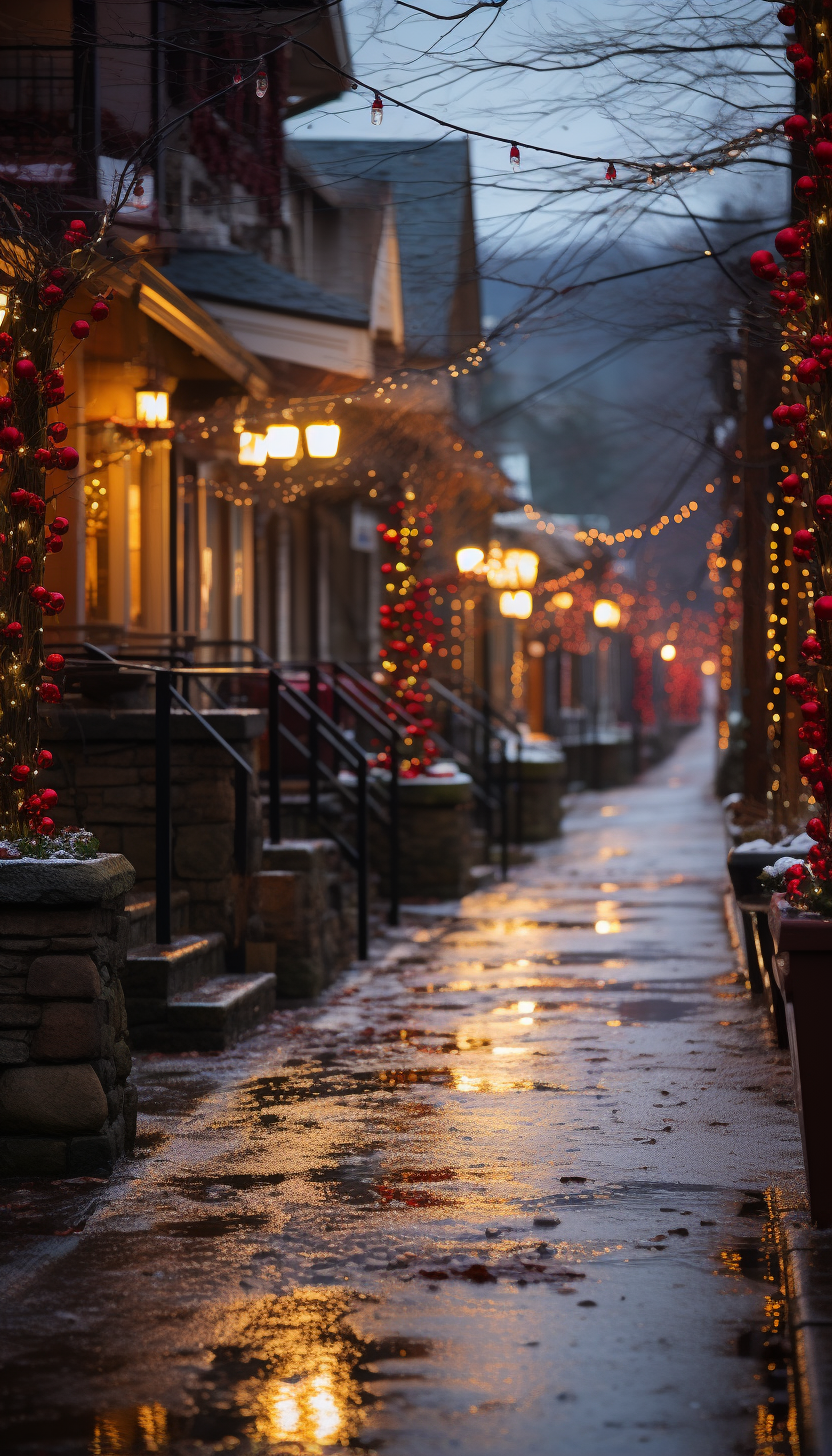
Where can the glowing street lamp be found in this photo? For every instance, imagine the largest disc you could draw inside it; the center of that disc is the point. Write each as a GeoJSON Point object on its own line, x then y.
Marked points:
{"type": "Point", "coordinates": [606, 614]}
{"type": "Point", "coordinates": [516, 604]}
{"type": "Point", "coordinates": [152, 407]}
{"type": "Point", "coordinates": [252, 449]}
{"type": "Point", "coordinates": [282, 442]}
{"type": "Point", "coordinates": [512, 569]}
{"type": "Point", "coordinates": [668, 652]}
{"type": "Point", "coordinates": [322, 440]}
{"type": "Point", "coordinates": [468, 558]}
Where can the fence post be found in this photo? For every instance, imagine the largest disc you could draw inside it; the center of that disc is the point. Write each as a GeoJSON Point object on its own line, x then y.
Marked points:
{"type": "Point", "coordinates": [361, 849]}
{"type": "Point", "coordinates": [313, 742]}
{"type": "Point", "coordinates": [504, 830]}
{"type": "Point", "coordinates": [163, 808]}
{"type": "Point", "coordinates": [393, 815]}
{"type": "Point", "coordinates": [240, 819]}
{"type": "Point", "coordinates": [274, 757]}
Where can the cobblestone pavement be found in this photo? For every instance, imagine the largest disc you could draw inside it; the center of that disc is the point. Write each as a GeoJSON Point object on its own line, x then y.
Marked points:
{"type": "Point", "coordinates": [508, 1188]}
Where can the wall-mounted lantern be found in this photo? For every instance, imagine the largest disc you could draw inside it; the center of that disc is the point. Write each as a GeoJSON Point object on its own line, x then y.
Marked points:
{"type": "Point", "coordinates": [516, 604]}
{"type": "Point", "coordinates": [282, 442]}
{"type": "Point", "coordinates": [152, 407]}
{"type": "Point", "coordinates": [322, 440]}
{"type": "Point", "coordinates": [606, 614]}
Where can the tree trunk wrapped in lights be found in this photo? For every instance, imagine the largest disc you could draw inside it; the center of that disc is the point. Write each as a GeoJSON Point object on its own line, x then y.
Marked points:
{"type": "Point", "coordinates": [407, 623]}
{"type": "Point", "coordinates": [43, 260]}
{"type": "Point", "coordinates": [801, 291]}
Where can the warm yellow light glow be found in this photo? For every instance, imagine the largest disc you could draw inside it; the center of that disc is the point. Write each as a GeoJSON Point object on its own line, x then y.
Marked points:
{"type": "Point", "coordinates": [468, 558]}
{"type": "Point", "coordinates": [516, 604]}
{"type": "Point", "coordinates": [668, 652]}
{"type": "Point", "coordinates": [282, 442]}
{"type": "Point", "coordinates": [4, 304]}
{"type": "Point", "coordinates": [708, 667]}
{"type": "Point", "coordinates": [252, 449]}
{"type": "Point", "coordinates": [562, 600]}
{"type": "Point", "coordinates": [607, 927]}
{"type": "Point", "coordinates": [322, 440]}
{"type": "Point", "coordinates": [606, 614]}
{"type": "Point", "coordinates": [512, 569]}
{"type": "Point", "coordinates": [526, 1007]}
{"type": "Point", "coordinates": [152, 406]}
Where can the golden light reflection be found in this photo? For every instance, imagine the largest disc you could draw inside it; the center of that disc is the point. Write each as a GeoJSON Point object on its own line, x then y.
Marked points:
{"type": "Point", "coordinates": [465, 1082]}
{"type": "Point", "coordinates": [610, 811]}
{"type": "Point", "coordinates": [508, 1051]}
{"type": "Point", "coordinates": [607, 927]}
{"type": "Point", "coordinates": [526, 1021]}
{"type": "Point", "coordinates": [609, 851]}
{"type": "Point", "coordinates": [608, 887]}
{"type": "Point", "coordinates": [526, 1007]}
{"type": "Point", "coordinates": [135, 1428]}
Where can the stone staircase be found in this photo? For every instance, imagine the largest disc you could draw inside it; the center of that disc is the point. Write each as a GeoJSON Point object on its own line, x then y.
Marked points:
{"type": "Point", "coordinates": [180, 997]}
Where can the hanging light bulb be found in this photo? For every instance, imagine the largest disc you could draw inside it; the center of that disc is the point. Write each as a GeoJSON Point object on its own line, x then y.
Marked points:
{"type": "Point", "coordinates": [611, 172]}
{"type": "Point", "coordinates": [238, 76]}
{"type": "Point", "coordinates": [261, 85]}
{"type": "Point", "coordinates": [514, 157]}
{"type": "Point", "coordinates": [377, 111]}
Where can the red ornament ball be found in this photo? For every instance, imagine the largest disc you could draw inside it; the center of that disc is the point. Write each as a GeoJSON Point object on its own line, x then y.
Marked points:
{"type": "Point", "coordinates": [806, 186]}
{"type": "Point", "coordinates": [68, 457]}
{"type": "Point", "coordinates": [11, 437]}
{"type": "Point", "coordinates": [43, 457]}
{"type": "Point", "coordinates": [804, 68]}
{"type": "Point", "coordinates": [13, 629]}
{"type": "Point", "coordinates": [48, 797]}
{"type": "Point", "coordinates": [55, 543]}
{"type": "Point", "coordinates": [57, 601]}
{"type": "Point", "coordinates": [58, 275]}
{"type": "Point", "coordinates": [60, 525]}
{"type": "Point", "coordinates": [100, 310]}
{"type": "Point", "coordinates": [25, 369]}
{"type": "Point", "coordinates": [780, 414]}
{"type": "Point", "coordinates": [807, 371]}
{"type": "Point", "coordinates": [797, 127]}
{"type": "Point", "coordinates": [798, 279]}
{"type": "Point", "coordinates": [23, 564]}
{"type": "Point", "coordinates": [811, 648]}
{"type": "Point", "coordinates": [791, 484]}
{"type": "Point", "coordinates": [51, 295]}
{"type": "Point", "coordinates": [46, 825]}
{"type": "Point", "coordinates": [49, 692]}
{"type": "Point", "coordinates": [798, 413]}
{"type": "Point", "coordinates": [787, 15]}
{"type": "Point", "coordinates": [80, 329]}
{"type": "Point", "coordinates": [762, 260]}
{"type": "Point", "coordinates": [55, 661]}
{"type": "Point", "coordinates": [38, 594]}
{"type": "Point", "coordinates": [58, 431]}
{"type": "Point", "coordinates": [816, 829]}
{"type": "Point", "coordinates": [20, 773]}
{"type": "Point", "coordinates": [823, 507]}
{"type": "Point", "coordinates": [789, 242]}
{"type": "Point", "coordinates": [797, 683]}
{"type": "Point", "coordinates": [823, 609]}
{"type": "Point", "coordinates": [77, 226]}
{"type": "Point", "coordinates": [44, 758]}
{"type": "Point", "coordinates": [804, 540]}
{"type": "Point", "coordinates": [6, 404]}
{"type": "Point", "coordinates": [823, 152]}
{"type": "Point", "coordinates": [19, 497]}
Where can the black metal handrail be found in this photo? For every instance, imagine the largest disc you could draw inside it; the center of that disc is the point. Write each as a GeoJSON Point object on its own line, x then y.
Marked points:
{"type": "Point", "coordinates": [165, 692]}
{"type": "Point", "coordinates": [474, 717]}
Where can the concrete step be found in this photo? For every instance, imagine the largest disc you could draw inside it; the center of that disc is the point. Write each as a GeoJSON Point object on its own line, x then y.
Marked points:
{"type": "Point", "coordinates": [180, 997]}
{"type": "Point", "coordinates": [140, 910]}
{"type": "Point", "coordinates": [153, 974]}
{"type": "Point", "coordinates": [216, 1014]}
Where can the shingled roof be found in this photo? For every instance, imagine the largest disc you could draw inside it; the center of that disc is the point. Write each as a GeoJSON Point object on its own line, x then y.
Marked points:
{"type": "Point", "coordinates": [228, 276]}
{"type": "Point", "coordinates": [429, 186]}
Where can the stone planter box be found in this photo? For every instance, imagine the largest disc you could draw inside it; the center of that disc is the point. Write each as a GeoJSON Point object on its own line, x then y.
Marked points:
{"type": "Point", "coordinates": [436, 840]}
{"type": "Point", "coordinates": [67, 1104]}
{"type": "Point", "coordinates": [303, 909]}
{"type": "Point", "coordinates": [104, 772]}
{"type": "Point", "coordinates": [541, 784]}
{"type": "Point", "coordinates": [803, 968]}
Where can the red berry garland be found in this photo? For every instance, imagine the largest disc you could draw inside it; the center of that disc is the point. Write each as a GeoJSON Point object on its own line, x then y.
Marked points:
{"type": "Point", "coordinates": [408, 630]}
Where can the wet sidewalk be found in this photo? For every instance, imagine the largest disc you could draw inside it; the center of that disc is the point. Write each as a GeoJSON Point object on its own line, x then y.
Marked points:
{"type": "Point", "coordinates": [512, 1187]}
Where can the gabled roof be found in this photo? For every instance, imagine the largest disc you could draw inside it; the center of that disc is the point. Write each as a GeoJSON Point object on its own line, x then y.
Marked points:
{"type": "Point", "coordinates": [227, 276]}
{"type": "Point", "coordinates": [430, 187]}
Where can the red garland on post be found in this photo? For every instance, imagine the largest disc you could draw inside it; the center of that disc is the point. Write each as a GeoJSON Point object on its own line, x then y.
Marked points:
{"type": "Point", "coordinates": [408, 626]}
{"type": "Point", "coordinates": [43, 260]}
{"type": "Point", "coordinates": [801, 296]}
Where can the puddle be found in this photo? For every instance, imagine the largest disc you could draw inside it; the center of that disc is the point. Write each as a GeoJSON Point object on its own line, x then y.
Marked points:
{"type": "Point", "coordinates": [201, 1189]}
{"type": "Point", "coordinates": [286, 1374]}
{"type": "Point", "coordinates": [213, 1226]}
{"type": "Point", "coordinates": [655, 1008]}
{"type": "Point", "coordinates": [314, 1081]}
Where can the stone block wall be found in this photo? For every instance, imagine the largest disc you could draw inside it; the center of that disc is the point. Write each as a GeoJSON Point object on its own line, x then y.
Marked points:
{"type": "Point", "coordinates": [300, 903]}
{"type": "Point", "coordinates": [67, 1103]}
{"type": "Point", "coordinates": [436, 840]}
{"type": "Point", "coordinates": [104, 772]}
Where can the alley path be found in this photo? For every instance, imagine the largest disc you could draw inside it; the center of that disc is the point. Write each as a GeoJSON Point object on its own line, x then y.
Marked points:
{"type": "Point", "coordinates": [506, 1189]}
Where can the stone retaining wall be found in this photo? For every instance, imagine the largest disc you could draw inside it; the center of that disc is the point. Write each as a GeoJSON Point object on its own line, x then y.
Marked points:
{"type": "Point", "coordinates": [67, 1104]}
{"type": "Point", "coordinates": [105, 775]}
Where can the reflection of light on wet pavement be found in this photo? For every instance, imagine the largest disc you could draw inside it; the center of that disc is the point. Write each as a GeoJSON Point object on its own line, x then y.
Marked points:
{"type": "Point", "coordinates": [607, 927]}
{"type": "Point", "coordinates": [308, 1409]}
{"type": "Point", "coordinates": [526, 1007]}
{"type": "Point", "coordinates": [508, 1051]}
{"type": "Point", "coordinates": [611, 851]}
{"type": "Point", "coordinates": [467, 1082]}
{"type": "Point", "coordinates": [609, 811]}
{"type": "Point", "coordinates": [138, 1428]}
